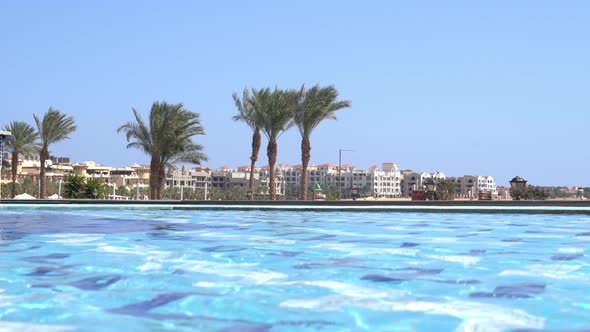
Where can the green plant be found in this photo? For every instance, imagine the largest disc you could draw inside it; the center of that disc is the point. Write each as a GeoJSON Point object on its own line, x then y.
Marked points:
{"type": "Point", "coordinates": [189, 193]}
{"type": "Point", "coordinates": [6, 191]}
{"type": "Point", "coordinates": [124, 191]}
{"type": "Point", "coordinates": [74, 187]}
{"type": "Point", "coordinates": [445, 190]}
{"type": "Point", "coordinates": [432, 195]}
{"type": "Point", "coordinates": [171, 193]}
{"type": "Point", "coordinates": [167, 138]}
{"type": "Point", "coordinates": [27, 185]}
{"type": "Point", "coordinates": [314, 105]}
{"type": "Point", "coordinates": [529, 193]}
{"type": "Point", "coordinates": [95, 189]}
{"type": "Point", "coordinates": [215, 194]}
{"type": "Point", "coordinates": [276, 110]}
{"type": "Point", "coordinates": [23, 142]}
{"type": "Point", "coordinates": [331, 197]}
{"type": "Point", "coordinates": [236, 194]}
{"type": "Point", "coordinates": [249, 115]}
{"type": "Point", "coordinates": [6, 164]}
{"type": "Point", "coordinates": [52, 128]}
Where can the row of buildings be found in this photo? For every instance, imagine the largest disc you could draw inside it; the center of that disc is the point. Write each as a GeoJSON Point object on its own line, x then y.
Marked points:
{"type": "Point", "coordinates": [58, 168]}
{"type": "Point", "coordinates": [388, 181]}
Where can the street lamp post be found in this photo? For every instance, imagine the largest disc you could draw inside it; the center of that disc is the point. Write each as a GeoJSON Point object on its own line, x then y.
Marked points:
{"type": "Point", "coordinates": [3, 135]}
{"type": "Point", "coordinates": [340, 172]}
{"type": "Point", "coordinates": [355, 193]}
{"type": "Point", "coordinates": [430, 185]}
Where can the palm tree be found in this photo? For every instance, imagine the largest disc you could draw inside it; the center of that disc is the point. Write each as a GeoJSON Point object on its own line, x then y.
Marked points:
{"type": "Point", "coordinates": [275, 110]}
{"type": "Point", "coordinates": [54, 127]}
{"type": "Point", "coordinates": [315, 105]}
{"type": "Point", "coordinates": [167, 139]}
{"type": "Point", "coordinates": [248, 115]}
{"type": "Point", "coordinates": [22, 142]}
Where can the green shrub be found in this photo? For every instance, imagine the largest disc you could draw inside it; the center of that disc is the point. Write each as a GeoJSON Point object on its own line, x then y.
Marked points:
{"type": "Point", "coordinates": [95, 189]}
{"type": "Point", "coordinates": [529, 193]}
{"type": "Point", "coordinates": [445, 191]}
{"type": "Point", "coordinates": [74, 187]}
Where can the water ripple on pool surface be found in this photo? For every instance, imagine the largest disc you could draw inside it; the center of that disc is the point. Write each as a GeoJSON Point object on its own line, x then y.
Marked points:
{"type": "Point", "coordinates": [134, 269]}
{"type": "Point", "coordinates": [96, 283]}
{"type": "Point", "coordinates": [46, 258]}
{"type": "Point", "coordinates": [524, 290]}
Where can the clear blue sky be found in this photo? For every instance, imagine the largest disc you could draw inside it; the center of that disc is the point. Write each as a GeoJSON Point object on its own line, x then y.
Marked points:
{"type": "Point", "coordinates": [495, 88]}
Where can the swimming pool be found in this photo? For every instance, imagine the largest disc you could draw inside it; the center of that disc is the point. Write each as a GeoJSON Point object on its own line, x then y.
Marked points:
{"type": "Point", "coordinates": [85, 268]}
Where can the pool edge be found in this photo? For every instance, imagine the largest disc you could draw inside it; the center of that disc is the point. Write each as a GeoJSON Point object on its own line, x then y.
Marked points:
{"type": "Point", "coordinates": [536, 207]}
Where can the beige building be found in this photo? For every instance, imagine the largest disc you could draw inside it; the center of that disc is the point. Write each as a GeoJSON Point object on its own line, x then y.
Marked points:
{"type": "Point", "coordinates": [196, 178]}
{"type": "Point", "coordinates": [415, 181]}
{"type": "Point", "coordinates": [31, 168]}
{"type": "Point", "coordinates": [130, 177]}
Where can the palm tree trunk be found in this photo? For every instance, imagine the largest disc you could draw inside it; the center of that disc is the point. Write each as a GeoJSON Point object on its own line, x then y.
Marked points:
{"type": "Point", "coordinates": [13, 170]}
{"type": "Point", "coordinates": [305, 156]}
{"type": "Point", "coordinates": [154, 169]}
{"type": "Point", "coordinates": [253, 158]}
{"type": "Point", "coordinates": [43, 158]}
{"type": "Point", "coordinates": [161, 181]}
{"type": "Point", "coordinates": [271, 152]}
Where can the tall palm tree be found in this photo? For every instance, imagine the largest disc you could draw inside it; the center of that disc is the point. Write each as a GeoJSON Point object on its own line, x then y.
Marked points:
{"type": "Point", "coordinates": [315, 105]}
{"type": "Point", "coordinates": [23, 142]}
{"type": "Point", "coordinates": [167, 139]}
{"type": "Point", "coordinates": [54, 127]}
{"type": "Point", "coordinates": [248, 115]}
{"type": "Point", "coordinates": [276, 110]}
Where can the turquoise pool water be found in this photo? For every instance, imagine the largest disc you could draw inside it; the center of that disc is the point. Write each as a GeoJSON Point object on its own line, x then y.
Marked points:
{"type": "Point", "coordinates": [149, 269]}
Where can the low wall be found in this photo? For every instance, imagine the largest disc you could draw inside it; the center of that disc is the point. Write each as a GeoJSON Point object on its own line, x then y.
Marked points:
{"type": "Point", "coordinates": [458, 203]}
{"type": "Point", "coordinates": [497, 207]}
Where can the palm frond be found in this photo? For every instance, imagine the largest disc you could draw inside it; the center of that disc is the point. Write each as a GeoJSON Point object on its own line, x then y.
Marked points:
{"type": "Point", "coordinates": [315, 105]}
{"type": "Point", "coordinates": [246, 111]}
{"type": "Point", "coordinates": [167, 135]}
{"type": "Point", "coordinates": [54, 127]}
{"type": "Point", "coordinates": [23, 140]}
{"type": "Point", "coordinates": [276, 111]}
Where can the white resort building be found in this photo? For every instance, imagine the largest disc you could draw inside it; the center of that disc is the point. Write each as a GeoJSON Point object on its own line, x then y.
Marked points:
{"type": "Point", "coordinates": [469, 186]}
